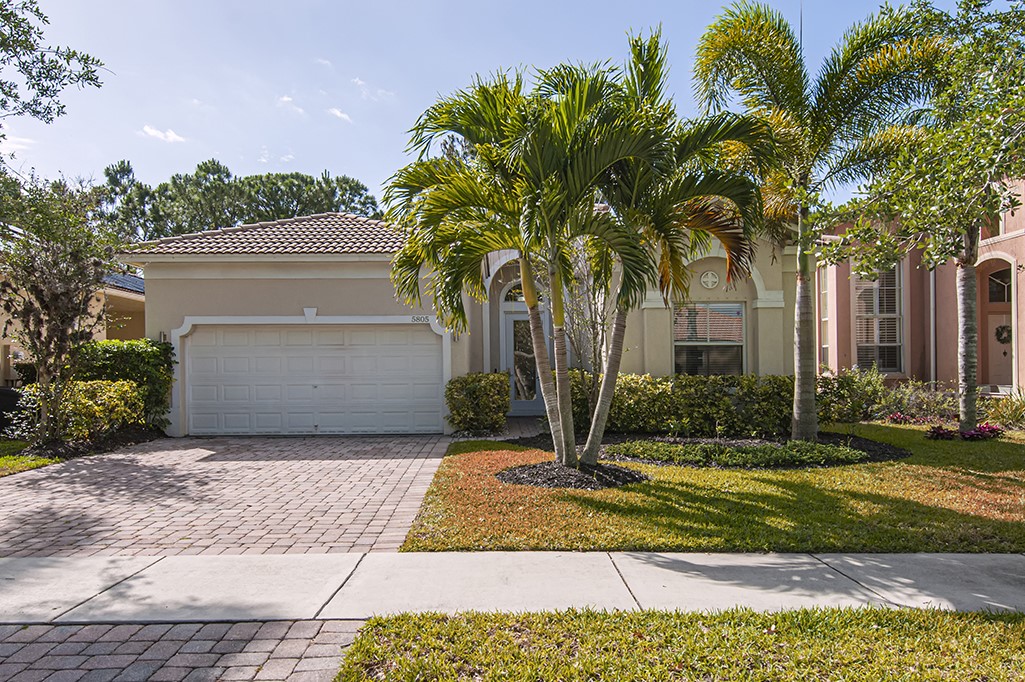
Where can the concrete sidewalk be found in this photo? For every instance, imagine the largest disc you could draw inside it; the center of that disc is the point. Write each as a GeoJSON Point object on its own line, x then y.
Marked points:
{"type": "Point", "coordinates": [356, 586]}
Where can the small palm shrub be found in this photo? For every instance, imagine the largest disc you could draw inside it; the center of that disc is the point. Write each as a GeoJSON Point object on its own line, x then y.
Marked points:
{"type": "Point", "coordinates": [1008, 411]}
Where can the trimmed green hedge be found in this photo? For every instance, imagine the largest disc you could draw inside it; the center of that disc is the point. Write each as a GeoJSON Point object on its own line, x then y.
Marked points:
{"type": "Point", "coordinates": [767, 456]}
{"type": "Point", "coordinates": [149, 364]}
{"type": "Point", "coordinates": [92, 409]}
{"type": "Point", "coordinates": [478, 402]}
{"type": "Point", "coordinates": [695, 406]}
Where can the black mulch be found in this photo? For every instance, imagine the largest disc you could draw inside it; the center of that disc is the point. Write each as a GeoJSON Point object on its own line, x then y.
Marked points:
{"type": "Point", "coordinates": [555, 475]}
{"type": "Point", "coordinates": [109, 442]}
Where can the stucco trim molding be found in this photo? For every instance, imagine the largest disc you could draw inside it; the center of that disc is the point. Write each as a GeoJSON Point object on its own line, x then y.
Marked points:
{"type": "Point", "coordinates": [179, 338]}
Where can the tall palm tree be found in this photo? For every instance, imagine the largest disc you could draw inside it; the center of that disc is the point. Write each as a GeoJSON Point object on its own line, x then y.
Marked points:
{"type": "Point", "coordinates": [677, 204]}
{"type": "Point", "coordinates": [529, 186]}
{"type": "Point", "coordinates": [836, 128]}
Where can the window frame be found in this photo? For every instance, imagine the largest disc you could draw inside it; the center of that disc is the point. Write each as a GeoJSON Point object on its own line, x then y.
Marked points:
{"type": "Point", "coordinates": [743, 344]}
{"type": "Point", "coordinates": [899, 316]}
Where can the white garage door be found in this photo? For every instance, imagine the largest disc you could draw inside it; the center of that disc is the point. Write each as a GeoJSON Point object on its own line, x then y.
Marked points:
{"type": "Point", "coordinates": [315, 379]}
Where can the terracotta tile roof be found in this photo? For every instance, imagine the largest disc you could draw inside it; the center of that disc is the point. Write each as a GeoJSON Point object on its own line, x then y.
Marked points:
{"type": "Point", "coordinates": [324, 233]}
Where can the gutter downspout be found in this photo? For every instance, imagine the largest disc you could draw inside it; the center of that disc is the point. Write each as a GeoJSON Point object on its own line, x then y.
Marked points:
{"type": "Point", "coordinates": [932, 329]}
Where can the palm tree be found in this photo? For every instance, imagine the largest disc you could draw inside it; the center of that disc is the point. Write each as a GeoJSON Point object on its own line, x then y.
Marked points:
{"type": "Point", "coordinates": [676, 205]}
{"type": "Point", "coordinates": [528, 186]}
{"type": "Point", "coordinates": [837, 128]}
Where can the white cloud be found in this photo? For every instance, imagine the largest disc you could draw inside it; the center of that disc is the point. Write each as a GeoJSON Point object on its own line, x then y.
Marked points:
{"type": "Point", "coordinates": [338, 113]}
{"type": "Point", "coordinates": [324, 62]}
{"type": "Point", "coordinates": [13, 145]}
{"type": "Point", "coordinates": [372, 94]}
{"type": "Point", "coordinates": [287, 102]}
{"type": "Point", "coordinates": [264, 156]}
{"type": "Point", "coordinates": [168, 135]}
{"type": "Point", "coordinates": [287, 157]}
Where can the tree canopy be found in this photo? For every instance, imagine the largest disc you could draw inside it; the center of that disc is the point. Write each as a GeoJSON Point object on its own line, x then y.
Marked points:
{"type": "Point", "coordinates": [211, 197]}
{"type": "Point", "coordinates": [33, 73]}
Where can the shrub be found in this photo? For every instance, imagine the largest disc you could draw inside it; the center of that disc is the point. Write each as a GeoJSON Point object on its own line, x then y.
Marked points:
{"type": "Point", "coordinates": [1008, 411]}
{"type": "Point", "coordinates": [92, 410]}
{"type": "Point", "coordinates": [26, 371]}
{"type": "Point", "coordinates": [980, 432]}
{"type": "Point", "coordinates": [850, 396]}
{"type": "Point", "coordinates": [478, 402]}
{"type": "Point", "coordinates": [764, 456]}
{"type": "Point", "coordinates": [725, 406]}
{"type": "Point", "coordinates": [149, 364]}
{"type": "Point", "coordinates": [918, 400]}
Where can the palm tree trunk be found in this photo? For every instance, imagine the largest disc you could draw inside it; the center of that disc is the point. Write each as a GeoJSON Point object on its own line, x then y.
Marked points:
{"type": "Point", "coordinates": [805, 423]}
{"type": "Point", "coordinates": [967, 334]}
{"type": "Point", "coordinates": [544, 367]}
{"type": "Point", "coordinates": [608, 388]}
{"type": "Point", "coordinates": [562, 384]}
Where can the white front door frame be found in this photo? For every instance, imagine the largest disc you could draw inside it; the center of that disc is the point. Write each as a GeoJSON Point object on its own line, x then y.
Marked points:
{"type": "Point", "coordinates": [179, 340]}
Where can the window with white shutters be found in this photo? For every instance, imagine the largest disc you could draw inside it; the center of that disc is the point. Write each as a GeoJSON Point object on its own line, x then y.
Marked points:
{"type": "Point", "coordinates": [878, 321]}
{"type": "Point", "coordinates": [709, 338]}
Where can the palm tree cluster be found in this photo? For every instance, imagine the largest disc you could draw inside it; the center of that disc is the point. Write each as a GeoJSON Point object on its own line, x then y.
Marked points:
{"type": "Point", "coordinates": [593, 163]}
{"type": "Point", "coordinates": [588, 160]}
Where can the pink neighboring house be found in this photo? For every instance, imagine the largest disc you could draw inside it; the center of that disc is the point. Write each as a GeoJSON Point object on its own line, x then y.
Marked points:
{"type": "Point", "coordinates": [906, 321]}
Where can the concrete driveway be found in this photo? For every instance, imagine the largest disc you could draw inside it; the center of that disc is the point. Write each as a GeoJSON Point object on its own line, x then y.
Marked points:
{"type": "Point", "coordinates": [222, 496]}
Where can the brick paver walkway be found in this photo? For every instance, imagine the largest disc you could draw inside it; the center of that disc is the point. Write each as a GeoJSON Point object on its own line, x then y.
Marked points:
{"type": "Point", "coordinates": [279, 650]}
{"type": "Point", "coordinates": [222, 496]}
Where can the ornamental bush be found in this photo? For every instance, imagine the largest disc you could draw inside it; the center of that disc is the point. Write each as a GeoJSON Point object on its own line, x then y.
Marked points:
{"type": "Point", "coordinates": [696, 406]}
{"type": "Point", "coordinates": [478, 402]}
{"type": "Point", "coordinates": [93, 409]}
{"type": "Point", "coordinates": [763, 456]}
{"type": "Point", "coordinates": [851, 396]}
{"type": "Point", "coordinates": [149, 364]}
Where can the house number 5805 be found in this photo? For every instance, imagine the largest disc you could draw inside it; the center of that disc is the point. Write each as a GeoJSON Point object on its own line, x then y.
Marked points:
{"type": "Point", "coordinates": [421, 319]}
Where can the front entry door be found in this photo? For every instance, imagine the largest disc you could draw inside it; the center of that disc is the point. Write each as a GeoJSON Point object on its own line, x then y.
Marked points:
{"type": "Point", "coordinates": [999, 332]}
{"type": "Point", "coordinates": [518, 360]}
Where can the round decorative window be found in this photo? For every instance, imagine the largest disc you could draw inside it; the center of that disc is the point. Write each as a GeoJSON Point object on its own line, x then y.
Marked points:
{"type": "Point", "coordinates": [709, 279]}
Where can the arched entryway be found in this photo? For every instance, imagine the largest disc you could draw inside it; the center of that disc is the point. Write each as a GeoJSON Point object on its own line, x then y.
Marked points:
{"type": "Point", "coordinates": [996, 325]}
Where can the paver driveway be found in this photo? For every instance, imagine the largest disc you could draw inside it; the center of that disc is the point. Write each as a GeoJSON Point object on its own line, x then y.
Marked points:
{"type": "Point", "coordinates": [222, 496]}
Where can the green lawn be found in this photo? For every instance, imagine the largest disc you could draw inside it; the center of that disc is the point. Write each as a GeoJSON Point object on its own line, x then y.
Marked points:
{"type": "Point", "coordinates": [949, 496]}
{"type": "Point", "coordinates": [11, 462]}
{"type": "Point", "coordinates": [829, 644]}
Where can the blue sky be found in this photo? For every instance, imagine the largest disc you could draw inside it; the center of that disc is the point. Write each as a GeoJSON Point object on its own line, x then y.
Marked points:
{"type": "Point", "coordinates": [311, 85]}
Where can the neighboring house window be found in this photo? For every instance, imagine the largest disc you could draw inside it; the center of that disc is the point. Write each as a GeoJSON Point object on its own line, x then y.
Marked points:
{"type": "Point", "coordinates": [709, 338]}
{"type": "Point", "coordinates": [878, 321]}
{"type": "Point", "coordinates": [823, 316]}
{"type": "Point", "coordinates": [1000, 286]}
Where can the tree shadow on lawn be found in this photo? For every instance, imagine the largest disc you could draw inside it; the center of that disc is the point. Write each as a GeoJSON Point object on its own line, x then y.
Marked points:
{"type": "Point", "coordinates": [782, 515]}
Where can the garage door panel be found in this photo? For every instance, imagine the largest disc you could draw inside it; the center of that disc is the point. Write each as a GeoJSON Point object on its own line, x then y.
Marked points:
{"type": "Point", "coordinates": [296, 337]}
{"type": "Point", "coordinates": [344, 379]}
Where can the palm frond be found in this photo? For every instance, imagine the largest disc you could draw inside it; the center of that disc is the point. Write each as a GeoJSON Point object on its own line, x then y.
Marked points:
{"type": "Point", "coordinates": [751, 49]}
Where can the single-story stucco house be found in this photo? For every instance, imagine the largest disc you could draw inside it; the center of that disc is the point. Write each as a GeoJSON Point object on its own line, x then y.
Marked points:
{"type": "Point", "coordinates": [292, 327]}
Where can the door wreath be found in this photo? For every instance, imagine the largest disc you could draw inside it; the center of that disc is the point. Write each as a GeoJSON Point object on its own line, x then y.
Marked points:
{"type": "Point", "coordinates": [1003, 334]}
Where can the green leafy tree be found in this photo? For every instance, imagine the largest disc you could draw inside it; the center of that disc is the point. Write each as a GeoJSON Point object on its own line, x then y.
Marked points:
{"type": "Point", "coordinates": [32, 73]}
{"type": "Point", "coordinates": [212, 197]}
{"type": "Point", "coordinates": [941, 193]}
{"type": "Point", "coordinates": [51, 269]}
{"type": "Point", "coordinates": [859, 110]}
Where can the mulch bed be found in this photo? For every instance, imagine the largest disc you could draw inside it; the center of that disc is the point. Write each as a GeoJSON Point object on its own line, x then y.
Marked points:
{"type": "Point", "coordinates": [555, 475]}
{"type": "Point", "coordinates": [80, 448]}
